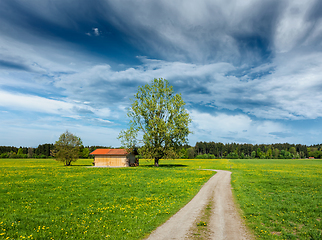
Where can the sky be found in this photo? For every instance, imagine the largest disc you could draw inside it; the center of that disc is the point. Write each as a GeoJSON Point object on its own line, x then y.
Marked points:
{"type": "Point", "coordinates": [249, 71]}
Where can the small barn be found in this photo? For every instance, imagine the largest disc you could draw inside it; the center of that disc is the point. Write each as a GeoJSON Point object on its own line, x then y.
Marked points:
{"type": "Point", "coordinates": [113, 158]}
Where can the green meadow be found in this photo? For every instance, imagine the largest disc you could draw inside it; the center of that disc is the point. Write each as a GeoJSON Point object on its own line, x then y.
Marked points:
{"type": "Point", "coordinates": [280, 199]}
{"type": "Point", "coordinates": [41, 199]}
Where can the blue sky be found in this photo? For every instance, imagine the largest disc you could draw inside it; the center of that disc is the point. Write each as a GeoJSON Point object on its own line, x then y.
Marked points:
{"type": "Point", "coordinates": [249, 71]}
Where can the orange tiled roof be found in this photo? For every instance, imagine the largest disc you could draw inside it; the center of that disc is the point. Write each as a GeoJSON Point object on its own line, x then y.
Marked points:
{"type": "Point", "coordinates": [105, 151]}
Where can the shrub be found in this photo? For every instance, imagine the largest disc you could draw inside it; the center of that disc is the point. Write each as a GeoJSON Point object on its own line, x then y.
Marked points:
{"type": "Point", "coordinates": [205, 156]}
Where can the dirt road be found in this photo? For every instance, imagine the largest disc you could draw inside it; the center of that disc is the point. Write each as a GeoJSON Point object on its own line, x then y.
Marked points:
{"type": "Point", "coordinates": [224, 221]}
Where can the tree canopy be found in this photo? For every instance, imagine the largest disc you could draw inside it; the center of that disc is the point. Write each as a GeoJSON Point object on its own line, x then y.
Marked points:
{"type": "Point", "coordinates": [159, 122]}
{"type": "Point", "coordinates": [67, 148]}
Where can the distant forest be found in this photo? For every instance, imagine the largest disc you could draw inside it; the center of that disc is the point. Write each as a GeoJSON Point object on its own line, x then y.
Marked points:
{"type": "Point", "coordinates": [42, 151]}
{"type": "Point", "coordinates": [208, 150]}
{"type": "Point", "coordinates": [263, 151]}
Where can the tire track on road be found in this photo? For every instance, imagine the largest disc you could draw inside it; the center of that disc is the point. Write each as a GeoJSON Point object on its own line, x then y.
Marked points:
{"type": "Point", "coordinates": [225, 222]}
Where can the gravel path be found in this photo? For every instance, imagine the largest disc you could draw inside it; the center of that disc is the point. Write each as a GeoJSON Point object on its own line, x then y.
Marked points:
{"type": "Point", "coordinates": [224, 222]}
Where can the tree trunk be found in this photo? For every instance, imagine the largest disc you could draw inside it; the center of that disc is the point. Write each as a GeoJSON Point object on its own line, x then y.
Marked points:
{"type": "Point", "coordinates": [156, 162]}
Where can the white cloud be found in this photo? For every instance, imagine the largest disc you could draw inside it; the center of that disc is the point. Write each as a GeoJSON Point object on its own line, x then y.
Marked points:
{"type": "Point", "coordinates": [96, 31]}
{"type": "Point", "coordinates": [103, 120]}
{"type": "Point", "coordinates": [288, 88]}
{"type": "Point", "coordinates": [101, 82]}
{"type": "Point", "coordinates": [232, 128]}
{"type": "Point", "coordinates": [33, 103]}
{"type": "Point", "coordinates": [72, 109]}
{"type": "Point", "coordinates": [293, 27]}
{"type": "Point", "coordinates": [200, 31]}
{"type": "Point", "coordinates": [37, 58]}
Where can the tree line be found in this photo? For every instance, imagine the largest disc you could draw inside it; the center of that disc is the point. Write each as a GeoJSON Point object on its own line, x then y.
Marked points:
{"type": "Point", "coordinates": [241, 151]}
{"type": "Point", "coordinates": [42, 151]}
{"type": "Point", "coordinates": [200, 150]}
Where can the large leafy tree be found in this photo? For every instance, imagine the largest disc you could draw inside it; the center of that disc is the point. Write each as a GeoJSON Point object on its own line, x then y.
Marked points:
{"type": "Point", "coordinates": [67, 148]}
{"type": "Point", "coordinates": [159, 122]}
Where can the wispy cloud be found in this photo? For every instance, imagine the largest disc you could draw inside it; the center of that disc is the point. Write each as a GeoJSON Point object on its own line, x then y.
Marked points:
{"type": "Point", "coordinates": [235, 128]}
{"type": "Point", "coordinates": [253, 64]}
{"type": "Point", "coordinates": [33, 103]}
{"type": "Point", "coordinates": [74, 109]}
{"type": "Point", "coordinates": [289, 90]}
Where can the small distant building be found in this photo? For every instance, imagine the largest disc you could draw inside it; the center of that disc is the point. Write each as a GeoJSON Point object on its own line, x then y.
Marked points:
{"type": "Point", "coordinates": [311, 157]}
{"type": "Point", "coordinates": [113, 158]}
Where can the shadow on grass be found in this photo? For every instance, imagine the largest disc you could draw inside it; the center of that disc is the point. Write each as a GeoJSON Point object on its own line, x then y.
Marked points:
{"type": "Point", "coordinates": [166, 165]}
{"type": "Point", "coordinates": [80, 165]}
{"type": "Point", "coordinates": [160, 166]}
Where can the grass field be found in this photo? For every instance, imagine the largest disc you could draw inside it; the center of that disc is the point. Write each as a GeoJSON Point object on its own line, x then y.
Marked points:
{"type": "Point", "coordinates": [281, 199]}
{"type": "Point", "coordinates": [41, 199]}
